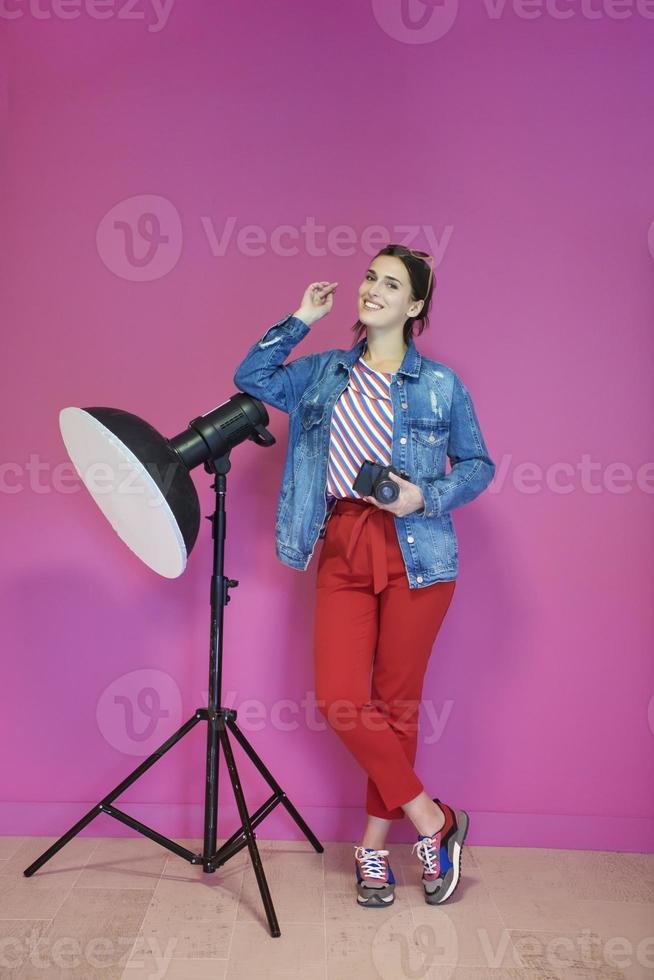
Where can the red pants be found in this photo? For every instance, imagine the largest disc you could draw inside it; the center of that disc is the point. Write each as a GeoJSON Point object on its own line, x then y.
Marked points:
{"type": "Point", "coordinates": [373, 637]}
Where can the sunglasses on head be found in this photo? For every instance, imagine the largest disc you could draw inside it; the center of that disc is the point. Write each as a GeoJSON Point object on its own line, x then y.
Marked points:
{"type": "Point", "coordinates": [425, 256]}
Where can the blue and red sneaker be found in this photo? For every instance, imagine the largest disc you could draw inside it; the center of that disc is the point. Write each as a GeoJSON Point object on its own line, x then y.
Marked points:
{"type": "Point", "coordinates": [440, 854]}
{"type": "Point", "coordinates": [374, 877]}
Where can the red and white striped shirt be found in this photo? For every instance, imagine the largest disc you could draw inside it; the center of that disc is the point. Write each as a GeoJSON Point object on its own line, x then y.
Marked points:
{"type": "Point", "coordinates": [361, 428]}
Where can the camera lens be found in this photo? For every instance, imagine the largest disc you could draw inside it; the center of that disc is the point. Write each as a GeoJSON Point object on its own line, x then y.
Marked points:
{"type": "Point", "coordinates": [387, 492]}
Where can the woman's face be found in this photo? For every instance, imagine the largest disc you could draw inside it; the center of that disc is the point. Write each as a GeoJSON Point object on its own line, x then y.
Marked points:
{"type": "Point", "coordinates": [386, 285]}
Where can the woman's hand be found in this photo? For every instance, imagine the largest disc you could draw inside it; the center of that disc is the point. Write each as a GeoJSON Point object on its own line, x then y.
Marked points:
{"type": "Point", "coordinates": [317, 301]}
{"type": "Point", "coordinates": [410, 498]}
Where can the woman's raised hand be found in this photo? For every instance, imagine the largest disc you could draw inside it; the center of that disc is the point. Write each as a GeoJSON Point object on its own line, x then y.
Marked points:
{"type": "Point", "coordinates": [317, 301]}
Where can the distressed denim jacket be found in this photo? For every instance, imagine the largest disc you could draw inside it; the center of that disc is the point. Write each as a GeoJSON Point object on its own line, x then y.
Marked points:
{"type": "Point", "coordinates": [433, 417]}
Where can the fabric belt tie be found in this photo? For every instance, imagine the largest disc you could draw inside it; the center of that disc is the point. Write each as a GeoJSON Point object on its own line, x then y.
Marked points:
{"type": "Point", "coordinates": [374, 518]}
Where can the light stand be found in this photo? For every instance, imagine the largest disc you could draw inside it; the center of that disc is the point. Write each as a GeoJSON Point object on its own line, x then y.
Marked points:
{"type": "Point", "coordinates": [220, 721]}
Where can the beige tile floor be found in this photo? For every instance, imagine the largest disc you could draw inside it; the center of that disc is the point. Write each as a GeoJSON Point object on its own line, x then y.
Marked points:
{"type": "Point", "coordinates": [129, 909]}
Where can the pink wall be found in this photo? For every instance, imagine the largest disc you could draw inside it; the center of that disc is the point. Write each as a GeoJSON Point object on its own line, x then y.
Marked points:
{"type": "Point", "coordinates": [520, 147]}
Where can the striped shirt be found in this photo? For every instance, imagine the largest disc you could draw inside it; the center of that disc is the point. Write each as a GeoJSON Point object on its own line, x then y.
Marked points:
{"type": "Point", "coordinates": [361, 428]}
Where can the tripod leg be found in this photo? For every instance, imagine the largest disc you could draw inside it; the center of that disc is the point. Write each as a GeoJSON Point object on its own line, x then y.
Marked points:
{"type": "Point", "coordinates": [274, 785]}
{"type": "Point", "coordinates": [247, 826]}
{"type": "Point", "coordinates": [110, 797]}
{"type": "Point", "coordinates": [211, 794]}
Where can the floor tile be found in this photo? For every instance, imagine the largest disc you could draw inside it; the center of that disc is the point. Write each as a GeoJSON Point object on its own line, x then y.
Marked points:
{"type": "Point", "coordinates": [298, 954]}
{"type": "Point", "coordinates": [533, 897]}
{"type": "Point", "coordinates": [124, 862]}
{"type": "Point", "coordinates": [190, 919]}
{"type": "Point", "coordinates": [603, 875]}
{"type": "Point", "coordinates": [9, 846]}
{"type": "Point", "coordinates": [121, 908]}
{"type": "Point", "coordinates": [560, 956]}
{"type": "Point", "coordinates": [468, 924]}
{"type": "Point", "coordinates": [338, 862]}
{"type": "Point", "coordinates": [177, 969]}
{"type": "Point", "coordinates": [73, 856]}
{"type": "Point", "coordinates": [18, 938]}
{"type": "Point", "coordinates": [628, 931]}
{"type": "Point", "coordinates": [294, 845]}
{"type": "Point", "coordinates": [41, 895]}
{"type": "Point", "coordinates": [91, 935]}
{"type": "Point", "coordinates": [296, 884]}
{"type": "Point", "coordinates": [472, 973]}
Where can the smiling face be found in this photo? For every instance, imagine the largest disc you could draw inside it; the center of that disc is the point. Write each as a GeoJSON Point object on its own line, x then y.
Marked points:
{"type": "Point", "coordinates": [387, 288]}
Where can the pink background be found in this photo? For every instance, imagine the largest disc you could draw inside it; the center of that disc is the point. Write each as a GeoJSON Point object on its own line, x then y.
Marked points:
{"type": "Point", "coordinates": [521, 148]}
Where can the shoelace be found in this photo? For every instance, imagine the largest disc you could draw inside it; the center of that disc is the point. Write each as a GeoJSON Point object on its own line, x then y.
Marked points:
{"type": "Point", "coordinates": [428, 851]}
{"type": "Point", "coordinates": [372, 862]}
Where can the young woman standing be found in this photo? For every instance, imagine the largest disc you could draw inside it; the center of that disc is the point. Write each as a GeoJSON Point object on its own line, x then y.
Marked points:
{"type": "Point", "coordinates": [386, 571]}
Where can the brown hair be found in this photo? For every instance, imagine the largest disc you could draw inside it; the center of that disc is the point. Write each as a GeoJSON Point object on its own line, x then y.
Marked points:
{"type": "Point", "coordinates": [422, 280]}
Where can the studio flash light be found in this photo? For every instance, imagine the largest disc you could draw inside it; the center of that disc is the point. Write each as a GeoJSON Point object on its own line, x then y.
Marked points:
{"type": "Point", "coordinates": [151, 501]}
{"type": "Point", "coordinates": [152, 505]}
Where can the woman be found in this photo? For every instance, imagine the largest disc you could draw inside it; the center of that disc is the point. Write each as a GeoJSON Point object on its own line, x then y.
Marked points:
{"type": "Point", "coordinates": [387, 570]}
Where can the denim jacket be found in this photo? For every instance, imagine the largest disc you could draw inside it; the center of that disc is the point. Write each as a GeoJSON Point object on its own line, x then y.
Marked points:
{"type": "Point", "coordinates": [433, 417]}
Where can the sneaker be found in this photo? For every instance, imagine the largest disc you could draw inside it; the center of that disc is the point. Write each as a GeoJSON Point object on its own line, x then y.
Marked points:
{"type": "Point", "coordinates": [441, 856]}
{"type": "Point", "coordinates": [374, 877]}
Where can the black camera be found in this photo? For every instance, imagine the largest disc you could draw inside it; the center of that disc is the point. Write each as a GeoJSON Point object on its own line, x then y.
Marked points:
{"type": "Point", "coordinates": [373, 480]}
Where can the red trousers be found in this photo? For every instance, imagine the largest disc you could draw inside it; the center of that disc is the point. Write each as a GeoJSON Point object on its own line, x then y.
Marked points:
{"type": "Point", "coordinates": [373, 637]}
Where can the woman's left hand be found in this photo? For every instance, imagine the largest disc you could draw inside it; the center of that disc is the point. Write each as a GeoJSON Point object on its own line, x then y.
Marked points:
{"type": "Point", "coordinates": [410, 498]}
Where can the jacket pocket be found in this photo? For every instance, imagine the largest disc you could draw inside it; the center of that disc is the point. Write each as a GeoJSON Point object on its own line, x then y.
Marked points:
{"type": "Point", "coordinates": [311, 428]}
{"type": "Point", "coordinates": [428, 438]}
